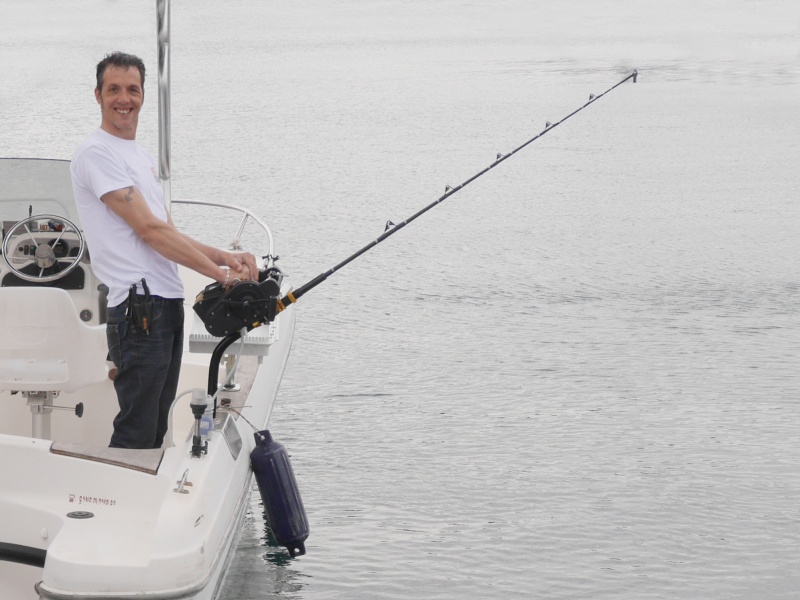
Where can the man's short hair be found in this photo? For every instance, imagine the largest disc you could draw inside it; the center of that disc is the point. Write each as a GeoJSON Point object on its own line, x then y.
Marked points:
{"type": "Point", "coordinates": [118, 59]}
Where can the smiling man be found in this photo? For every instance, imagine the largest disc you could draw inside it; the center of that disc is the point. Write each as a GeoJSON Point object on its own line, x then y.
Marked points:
{"type": "Point", "coordinates": [136, 251]}
{"type": "Point", "coordinates": [120, 93]}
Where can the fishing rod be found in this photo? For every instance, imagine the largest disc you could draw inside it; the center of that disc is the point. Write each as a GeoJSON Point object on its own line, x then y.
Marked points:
{"type": "Point", "coordinates": [249, 304]}
{"type": "Point", "coordinates": [391, 228]}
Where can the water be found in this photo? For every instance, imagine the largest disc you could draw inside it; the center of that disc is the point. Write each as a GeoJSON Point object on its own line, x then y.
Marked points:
{"type": "Point", "coordinates": [573, 379]}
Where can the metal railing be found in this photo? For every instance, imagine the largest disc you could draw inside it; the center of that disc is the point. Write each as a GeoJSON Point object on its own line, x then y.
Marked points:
{"type": "Point", "coordinates": [247, 216]}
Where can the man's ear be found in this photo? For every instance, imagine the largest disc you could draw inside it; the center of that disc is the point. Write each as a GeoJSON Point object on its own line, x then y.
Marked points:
{"type": "Point", "coordinates": [97, 96]}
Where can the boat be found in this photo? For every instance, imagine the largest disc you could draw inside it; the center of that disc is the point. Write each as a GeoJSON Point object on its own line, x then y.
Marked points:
{"type": "Point", "coordinates": [80, 520]}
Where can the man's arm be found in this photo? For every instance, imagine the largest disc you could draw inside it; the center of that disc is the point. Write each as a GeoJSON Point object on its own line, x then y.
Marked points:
{"type": "Point", "coordinates": [129, 204]}
{"type": "Point", "coordinates": [234, 260]}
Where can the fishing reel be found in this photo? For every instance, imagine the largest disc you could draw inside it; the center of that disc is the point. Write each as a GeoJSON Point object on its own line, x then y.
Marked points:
{"type": "Point", "coordinates": [248, 304]}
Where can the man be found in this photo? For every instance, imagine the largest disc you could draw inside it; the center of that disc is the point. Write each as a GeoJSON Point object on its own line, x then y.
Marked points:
{"type": "Point", "coordinates": [134, 243]}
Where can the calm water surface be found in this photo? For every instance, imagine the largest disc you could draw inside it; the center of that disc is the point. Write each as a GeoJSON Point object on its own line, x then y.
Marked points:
{"type": "Point", "coordinates": [577, 378]}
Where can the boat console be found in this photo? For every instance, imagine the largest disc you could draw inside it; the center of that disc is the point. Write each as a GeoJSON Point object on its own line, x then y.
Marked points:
{"type": "Point", "coordinates": [42, 245]}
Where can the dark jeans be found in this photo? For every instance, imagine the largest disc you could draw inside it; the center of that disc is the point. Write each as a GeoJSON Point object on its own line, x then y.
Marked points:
{"type": "Point", "coordinates": [148, 367]}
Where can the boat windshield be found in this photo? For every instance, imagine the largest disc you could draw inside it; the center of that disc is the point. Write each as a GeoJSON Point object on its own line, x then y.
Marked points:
{"type": "Point", "coordinates": [32, 186]}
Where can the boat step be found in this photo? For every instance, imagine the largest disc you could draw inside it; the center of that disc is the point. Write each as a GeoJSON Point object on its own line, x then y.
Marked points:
{"type": "Point", "coordinates": [146, 461]}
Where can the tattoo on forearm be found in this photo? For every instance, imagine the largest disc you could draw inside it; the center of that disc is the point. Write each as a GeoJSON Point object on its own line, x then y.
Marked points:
{"type": "Point", "coordinates": [129, 194]}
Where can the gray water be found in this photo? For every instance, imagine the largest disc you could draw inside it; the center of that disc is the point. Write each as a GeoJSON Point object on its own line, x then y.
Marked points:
{"type": "Point", "coordinates": [576, 378]}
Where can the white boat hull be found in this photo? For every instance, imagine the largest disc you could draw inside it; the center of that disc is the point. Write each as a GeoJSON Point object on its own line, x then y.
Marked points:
{"type": "Point", "coordinates": [145, 539]}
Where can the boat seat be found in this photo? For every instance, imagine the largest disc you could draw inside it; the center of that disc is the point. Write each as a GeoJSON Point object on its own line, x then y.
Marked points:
{"type": "Point", "coordinates": [46, 349]}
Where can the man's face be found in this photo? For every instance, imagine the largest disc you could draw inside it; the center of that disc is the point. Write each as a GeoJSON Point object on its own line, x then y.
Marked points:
{"type": "Point", "coordinates": [120, 101]}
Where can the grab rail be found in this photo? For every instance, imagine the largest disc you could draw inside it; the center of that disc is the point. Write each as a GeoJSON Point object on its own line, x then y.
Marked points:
{"type": "Point", "coordinates": [247, 215]}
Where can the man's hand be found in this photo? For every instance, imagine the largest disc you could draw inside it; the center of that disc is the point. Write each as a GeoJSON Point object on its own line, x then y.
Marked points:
{"type": "Point", "coordinates": [242, 265]}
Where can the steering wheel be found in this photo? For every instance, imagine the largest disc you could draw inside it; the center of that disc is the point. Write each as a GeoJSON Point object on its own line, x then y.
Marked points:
{"type": "Point", "coordinates": [44, 242]}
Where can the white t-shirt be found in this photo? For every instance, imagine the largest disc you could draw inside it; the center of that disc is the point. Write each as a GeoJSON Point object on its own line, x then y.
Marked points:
{"type": "Point", "coordinates": [104, 163]}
